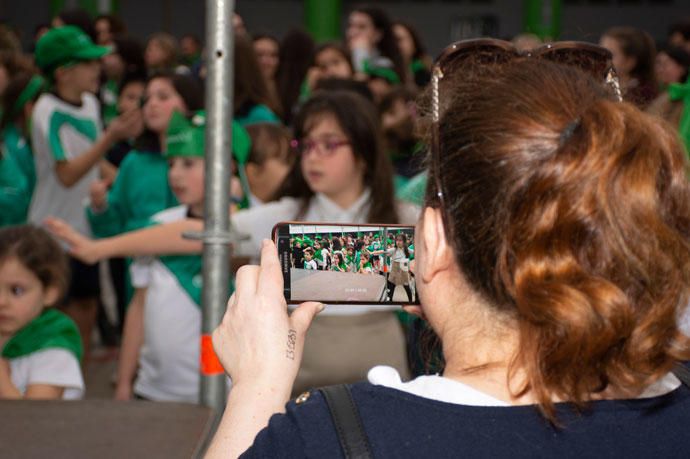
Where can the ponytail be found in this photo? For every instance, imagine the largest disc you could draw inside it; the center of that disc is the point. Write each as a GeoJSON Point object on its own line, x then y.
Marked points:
{"type": "Point", "coordinates": [572, 216]}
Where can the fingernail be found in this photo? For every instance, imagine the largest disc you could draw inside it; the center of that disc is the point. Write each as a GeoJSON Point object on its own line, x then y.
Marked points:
{"type": "Point", "coordinates": [321, 307]}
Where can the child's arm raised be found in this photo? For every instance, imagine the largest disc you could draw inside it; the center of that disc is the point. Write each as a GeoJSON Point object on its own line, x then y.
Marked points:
{"type": "Point", "coordinates": [155, 240]}
{"type": "Point", "coordinates": [122, 127]}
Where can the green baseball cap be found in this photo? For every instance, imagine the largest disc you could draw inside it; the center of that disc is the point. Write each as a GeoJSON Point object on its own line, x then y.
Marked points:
{"type": "Point", "coordinates": [65, 45]}
{"type": "Point", "coordinates": [185, 136]}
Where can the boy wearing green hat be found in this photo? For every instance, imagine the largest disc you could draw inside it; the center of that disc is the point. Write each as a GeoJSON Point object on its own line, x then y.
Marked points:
{"type": "Point", "coordinates": [68, 144]}
{"type": "Point", "coordinates": [167, 355]}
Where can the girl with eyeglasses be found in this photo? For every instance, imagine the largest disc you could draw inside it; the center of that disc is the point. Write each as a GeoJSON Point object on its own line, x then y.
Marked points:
{"type": "Point", "coordinates": [343, 176]}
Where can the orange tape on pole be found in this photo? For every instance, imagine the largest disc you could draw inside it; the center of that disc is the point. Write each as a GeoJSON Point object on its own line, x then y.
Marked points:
{"type": "Point", "coordinates": [210, 365]}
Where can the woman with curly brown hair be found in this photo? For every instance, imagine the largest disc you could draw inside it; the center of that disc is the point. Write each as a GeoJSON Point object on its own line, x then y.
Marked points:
{"type": "Point", "coordinates": [552, 261]}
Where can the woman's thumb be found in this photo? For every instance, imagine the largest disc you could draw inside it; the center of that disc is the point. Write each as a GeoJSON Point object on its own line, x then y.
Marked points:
{"type": "Point", "coordinates": [302, 317]}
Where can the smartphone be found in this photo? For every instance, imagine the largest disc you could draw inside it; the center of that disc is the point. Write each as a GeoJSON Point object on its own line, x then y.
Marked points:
{"type": "Point", "coordinates": [347, 263]}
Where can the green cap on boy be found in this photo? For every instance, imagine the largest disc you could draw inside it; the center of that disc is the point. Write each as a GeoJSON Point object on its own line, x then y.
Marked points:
{"type": "Point", "coordinates": [66, 45]}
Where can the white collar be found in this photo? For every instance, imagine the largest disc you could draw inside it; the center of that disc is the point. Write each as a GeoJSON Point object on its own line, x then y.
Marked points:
{"type": "Point", "coordinates": [324, 209]}
{"type": "Point", "coordinates": [442, 389]}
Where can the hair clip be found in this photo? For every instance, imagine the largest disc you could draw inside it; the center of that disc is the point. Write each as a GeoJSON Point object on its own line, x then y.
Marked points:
{"type": "Point", "coordinates": [568, 132]}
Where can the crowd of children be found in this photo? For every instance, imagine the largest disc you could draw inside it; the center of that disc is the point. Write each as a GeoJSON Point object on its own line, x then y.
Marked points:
{"type": "Point", "coordinates": [102, 136]}
{"type": "Point", "coordinates": [360, 254]}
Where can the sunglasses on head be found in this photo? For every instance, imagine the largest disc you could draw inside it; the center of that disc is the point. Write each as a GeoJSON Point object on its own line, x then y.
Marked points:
{"type": "Point", "coordinates": [477, 55]}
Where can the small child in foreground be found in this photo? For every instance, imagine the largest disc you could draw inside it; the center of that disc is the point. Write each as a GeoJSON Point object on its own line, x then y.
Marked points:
{"type": "Point", "coordinates": [41, 346]}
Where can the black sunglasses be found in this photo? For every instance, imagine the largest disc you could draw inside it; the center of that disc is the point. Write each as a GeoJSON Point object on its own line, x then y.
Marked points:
{"type": "Point", "coordinates": [472, 55]}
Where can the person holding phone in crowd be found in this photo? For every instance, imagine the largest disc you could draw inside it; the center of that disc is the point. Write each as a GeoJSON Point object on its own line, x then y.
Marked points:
{"type": "Point", "coordinates": [552, 261]}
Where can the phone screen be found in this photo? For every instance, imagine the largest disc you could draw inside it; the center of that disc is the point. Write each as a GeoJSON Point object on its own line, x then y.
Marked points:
{"type": "Point", "coordinates": [347, 264]}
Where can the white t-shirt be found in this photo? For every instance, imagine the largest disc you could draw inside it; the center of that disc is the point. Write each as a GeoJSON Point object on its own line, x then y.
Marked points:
{"type": "Point", "coordinates": [169, 356]}
{"type": "Point", "coordinates": [60, 132]}
{"type": "Point", "coordinates": [435, 387]}
{"type": "Point", "coordinates": [311, 265]}
{"type": "Point", "coordinates": [254, 225]}
{"type": "Point", "coordinates": [54, 367]}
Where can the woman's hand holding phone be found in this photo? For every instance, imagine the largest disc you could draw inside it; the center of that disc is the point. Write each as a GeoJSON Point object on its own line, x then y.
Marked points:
{"type": "Point", "coordinates": [257, 342]}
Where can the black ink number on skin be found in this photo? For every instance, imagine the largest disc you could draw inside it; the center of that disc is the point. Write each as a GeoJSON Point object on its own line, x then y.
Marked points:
{"type": "Point", "coordinates": [291, 343]}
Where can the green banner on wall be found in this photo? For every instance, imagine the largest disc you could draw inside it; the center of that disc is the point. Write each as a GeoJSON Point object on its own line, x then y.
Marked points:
{"type": "Point", "coordinates": [543, 18]}
{"type": "Point", "coordinates": [93, 7]}
{"type": "Point", "coordinates": [322, 19]}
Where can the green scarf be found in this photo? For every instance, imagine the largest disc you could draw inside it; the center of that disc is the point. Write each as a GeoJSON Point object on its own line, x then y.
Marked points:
{"type": "Point", "coordinates": [49, 330]}
{"type": "Point", "coordinates": [679, 91]}
{"type": "Point", "coordinates": [187, 269]}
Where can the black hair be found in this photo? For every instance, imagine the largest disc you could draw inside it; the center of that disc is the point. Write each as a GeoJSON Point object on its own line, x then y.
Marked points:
{"type": "Point", "coordinates": [132, 53]}
{"type": "Point", "coordinates": [295, 57]}
{"type": "Point", "coordinates": [359, 121]}
{"type": "Point", "coordinates": [80, 18]}
{"type": "Point", "coordinates": [38, 252]}
{"type": "Point", "coordinates": [345, 84]}
{"type": "Point", "coordinates": [388, 45]}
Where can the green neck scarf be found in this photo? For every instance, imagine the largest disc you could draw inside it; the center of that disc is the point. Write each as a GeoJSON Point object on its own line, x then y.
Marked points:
{"type": "Point", "coordinates": [49, 330]}
{"type": "Point", "coordinates": [679, 91]}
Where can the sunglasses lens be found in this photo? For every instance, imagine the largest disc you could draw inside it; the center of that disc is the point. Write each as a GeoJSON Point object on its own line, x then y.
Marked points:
{"type": "Point", "coordinates": [475, 58]}
{"type": "Point", "coordinates": [593, 61]}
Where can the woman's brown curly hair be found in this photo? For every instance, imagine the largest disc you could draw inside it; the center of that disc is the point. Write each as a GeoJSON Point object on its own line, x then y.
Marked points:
{"type": "Point", "coordinates": [570, 212]}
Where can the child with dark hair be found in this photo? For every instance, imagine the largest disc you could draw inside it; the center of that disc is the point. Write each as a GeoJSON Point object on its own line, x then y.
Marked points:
{"type": "Point", "coordinates": [374, 46]}
{"type": "Point", "coordinates": [125, 60]}
{"type": "Point", "coordinates": [41, 346]}
{"type": "Point", "coordinates": [309, 262]}
{"type": "Point", "coordinates": [633, 52]}
{"type": "Point", "coordinates": [413, 52]}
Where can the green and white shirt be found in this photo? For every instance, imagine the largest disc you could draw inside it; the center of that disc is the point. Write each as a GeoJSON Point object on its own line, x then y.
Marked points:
{"type": "Point", "coordinates": [61, 132]}
{"type": "Point", "coordinates": [169, 356]}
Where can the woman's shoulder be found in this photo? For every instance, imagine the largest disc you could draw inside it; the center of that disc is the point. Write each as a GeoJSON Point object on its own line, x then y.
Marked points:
{"type": "Point", "coordinates": [401, 424]}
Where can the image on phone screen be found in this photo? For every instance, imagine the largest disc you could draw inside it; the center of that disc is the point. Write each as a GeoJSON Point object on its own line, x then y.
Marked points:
{"type": "Point", "coordinates": [351, 264]}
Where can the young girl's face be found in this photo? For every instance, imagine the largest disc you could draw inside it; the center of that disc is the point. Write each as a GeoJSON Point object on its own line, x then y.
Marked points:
{"type": "Point", "coordinates": [307, 256]}
{"type": "Point", "coordinates": [333, 64]}
{"type": "Point", "coordinates": [22, 296]}
{"type": "Point", "coordinates": [399, 242]}
{"type": "Point", "coordinates": [161, 100]}
{"type": "Point", "coordinates": [186, 177]}
{"type": "Point", "coordinates": [154, 54]}
{"type": "Point", "coordinates": [130, 97]}
{"type": "Point", "coordinates": [330, 167]}
{"type": "Point", "coordinates": [266, 50]}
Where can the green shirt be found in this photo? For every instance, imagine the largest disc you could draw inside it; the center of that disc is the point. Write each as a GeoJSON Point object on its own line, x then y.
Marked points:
{"type": "Point", "coordinates": [413, 191]}
{"type": "Point", "coordinates": [18, 146]}
{"type": "Point", "coordinates": [258, 114]}
{"type": "Point", "coordinates": [109, 95]}
{"type": "Point", "coordinates": [15, 192]}
{"type": "Point", "coordinates": [140, 190]}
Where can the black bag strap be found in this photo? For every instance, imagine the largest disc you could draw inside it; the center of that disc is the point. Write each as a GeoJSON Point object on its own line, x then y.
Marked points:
{"type": "Point", "coordinates": [348, 424]}
{"type": "Point", "coordinates": [683, 373]}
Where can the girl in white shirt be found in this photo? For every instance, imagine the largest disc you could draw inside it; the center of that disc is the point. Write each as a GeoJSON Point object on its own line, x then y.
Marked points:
{"type": "Point", "coordinates": [41, 346]}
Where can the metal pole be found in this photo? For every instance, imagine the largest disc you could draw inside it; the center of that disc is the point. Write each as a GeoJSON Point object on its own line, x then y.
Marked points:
{"type": "Point", "coordinates": [216, 271]}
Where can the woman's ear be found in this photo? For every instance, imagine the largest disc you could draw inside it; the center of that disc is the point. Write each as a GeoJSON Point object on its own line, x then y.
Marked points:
{"type": "Point", "coordinates": [438, 255]}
